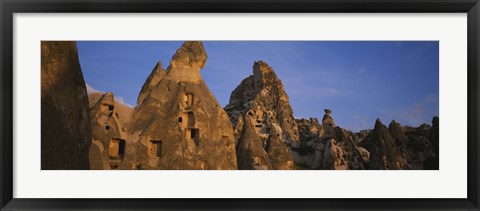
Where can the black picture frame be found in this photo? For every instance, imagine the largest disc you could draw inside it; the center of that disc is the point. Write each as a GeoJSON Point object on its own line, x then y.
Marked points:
{"type": "Point", "coordinates": [10, 7]}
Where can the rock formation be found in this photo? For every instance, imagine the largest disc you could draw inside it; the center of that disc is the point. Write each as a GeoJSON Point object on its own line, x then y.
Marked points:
{"type": "Point", "coordinates": [178, 124]}
{"type": "Point", "coordinates": [383, 151]}
{"type": "Point", "coordinates": [398, 135]}
{"type": "Point", "coordinates": [261, 101]}
{"type": "Point", "coordinates": [420, 145]}
{"type": "Point", "coordinates": [327, 146]}
{"type": "Point", "coordinates": [65, 124]}
{"type": "Point", "coordinates": [179, 121]}
{"type": "Point", "coordinates": [155, 76]}
{"type": "Point", "coordinates": [109, 122]}
{"type": "Point", "coordinates": [251, 154]}
{"type": "Point", "coordinates": [432, 163]}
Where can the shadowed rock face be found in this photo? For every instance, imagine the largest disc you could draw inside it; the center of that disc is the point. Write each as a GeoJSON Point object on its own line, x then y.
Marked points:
{"type": "Point", "coordinates": [383, 151]}
{"type": "Point", "coordinates": [432, 163]}
{"type": "Point", "coordinates": [66, 135]}
{"type": "Point", "coordinates": [261, 100]}
{"type": "Point", "coordinates": [179, 122]}
{"type": "Point", "coordinates": [251, 154]}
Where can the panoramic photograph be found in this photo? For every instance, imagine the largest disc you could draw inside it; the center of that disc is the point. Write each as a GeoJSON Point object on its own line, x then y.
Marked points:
{"type": "Point", "coordinates": [240, 105]}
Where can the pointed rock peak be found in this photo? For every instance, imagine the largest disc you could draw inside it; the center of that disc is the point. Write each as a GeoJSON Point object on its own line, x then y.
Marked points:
{"type": "Point", "coordinates": [191, 53]}
{"type": "Point", "coordinates": [393, 123]}
{"type": "Point", "coordinates": [378, 123]}
{"type": "Point", "coordinates": [264, 75]}
{"type": "Point", "coordinates": [108, 98]}
{"type": "Point", "coordinates": [261, 67]}
{"type": "Point", "coordinates": [158, 68]}
{"type": "Point", "coordinates": [155, 76]}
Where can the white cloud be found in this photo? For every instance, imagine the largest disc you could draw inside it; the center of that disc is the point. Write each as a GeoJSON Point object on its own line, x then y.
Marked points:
{"type": "Point", "coordinates": [414, 115]}
{"type": "Point", "coordinates": [362, 70]}
{"type": "Point", "coordinates": [122, 101]}
{"type": "Point", "coordinates": [90, 89]}
{"type": "Point", "coordinates": [119, 99]}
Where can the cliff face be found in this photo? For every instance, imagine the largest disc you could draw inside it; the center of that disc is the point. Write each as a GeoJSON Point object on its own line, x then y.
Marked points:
{"type": "Point", "coordinates": [179, 122]}
{"type": "Point", "coordinates": [65, 129]}
{"type": "Point", "coordinates": [261, 101]}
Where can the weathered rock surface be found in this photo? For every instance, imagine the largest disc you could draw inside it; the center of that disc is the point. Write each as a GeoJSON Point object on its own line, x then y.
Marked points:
{"type": "Point", "coordinates": [420, 145]}
{"type": "Point", "coordinates": [251, 154]}
{"type": "Point", "coordinates": [383, 151]}
{"type": "Point", "coordinates": [327, 146]}
{"type": "Point", "coordinates": [179, 122]}
{"type": "Point", "coordinates": [432, 163]}
{"type": "Point", "coordinates": [110, 138]}
{"type": "Point", "coordinates": [155, 76]}
{"type": "Point", "coordinates": [65, 126]}
{"type": "Point", "coordinates": [261, 100]}
{"type": "Point", "coordinates": [399, 138]}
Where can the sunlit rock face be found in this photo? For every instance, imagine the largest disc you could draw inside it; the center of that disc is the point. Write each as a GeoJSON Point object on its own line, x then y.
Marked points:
{"type": "Point", "coordinates": [110, 138]}
{"type": "Point", "coordinates": [179, 122]}
{"type": "Point", "coordinates": [261, 100]}
{"type": "Point", "coordinates": [65, 126]}
{"type": "Point", "coordinates": [155, 76]}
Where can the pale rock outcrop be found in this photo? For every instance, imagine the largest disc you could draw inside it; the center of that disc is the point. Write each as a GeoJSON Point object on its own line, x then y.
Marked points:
{"type": "Point", "coordinates": [327, 146]}
{"type": "Point", "coordinates": [65, 123]}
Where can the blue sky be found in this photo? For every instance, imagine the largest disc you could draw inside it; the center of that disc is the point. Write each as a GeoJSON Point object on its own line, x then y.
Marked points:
{"type": "Point", "coordinates": [358, 80]}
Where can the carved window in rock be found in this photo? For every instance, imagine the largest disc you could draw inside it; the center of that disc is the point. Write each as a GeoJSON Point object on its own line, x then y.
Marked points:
{"type": "Point", "coordinates": [187, 120]}
{"type": "Point", "coordinates": [116, 148]}
{"type": "Point", "coordinates": [193, 134]}
{"type": "Point", "coordinates": [187, 100]}
{"type": "Point", "coordinates": [258, 161]}
{"type": "Point", "coordinates": [156, 148]}
{"type": "Point", "coordinates": [106, 108]}
{"type": "Point", "coordinates": [226, 141]}
{"type": "Point", "coordinates": [191, 119]}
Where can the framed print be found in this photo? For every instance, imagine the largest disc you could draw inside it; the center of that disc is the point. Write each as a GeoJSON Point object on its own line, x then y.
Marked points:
{"type": "Point", "coordinates": [239, 105]}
